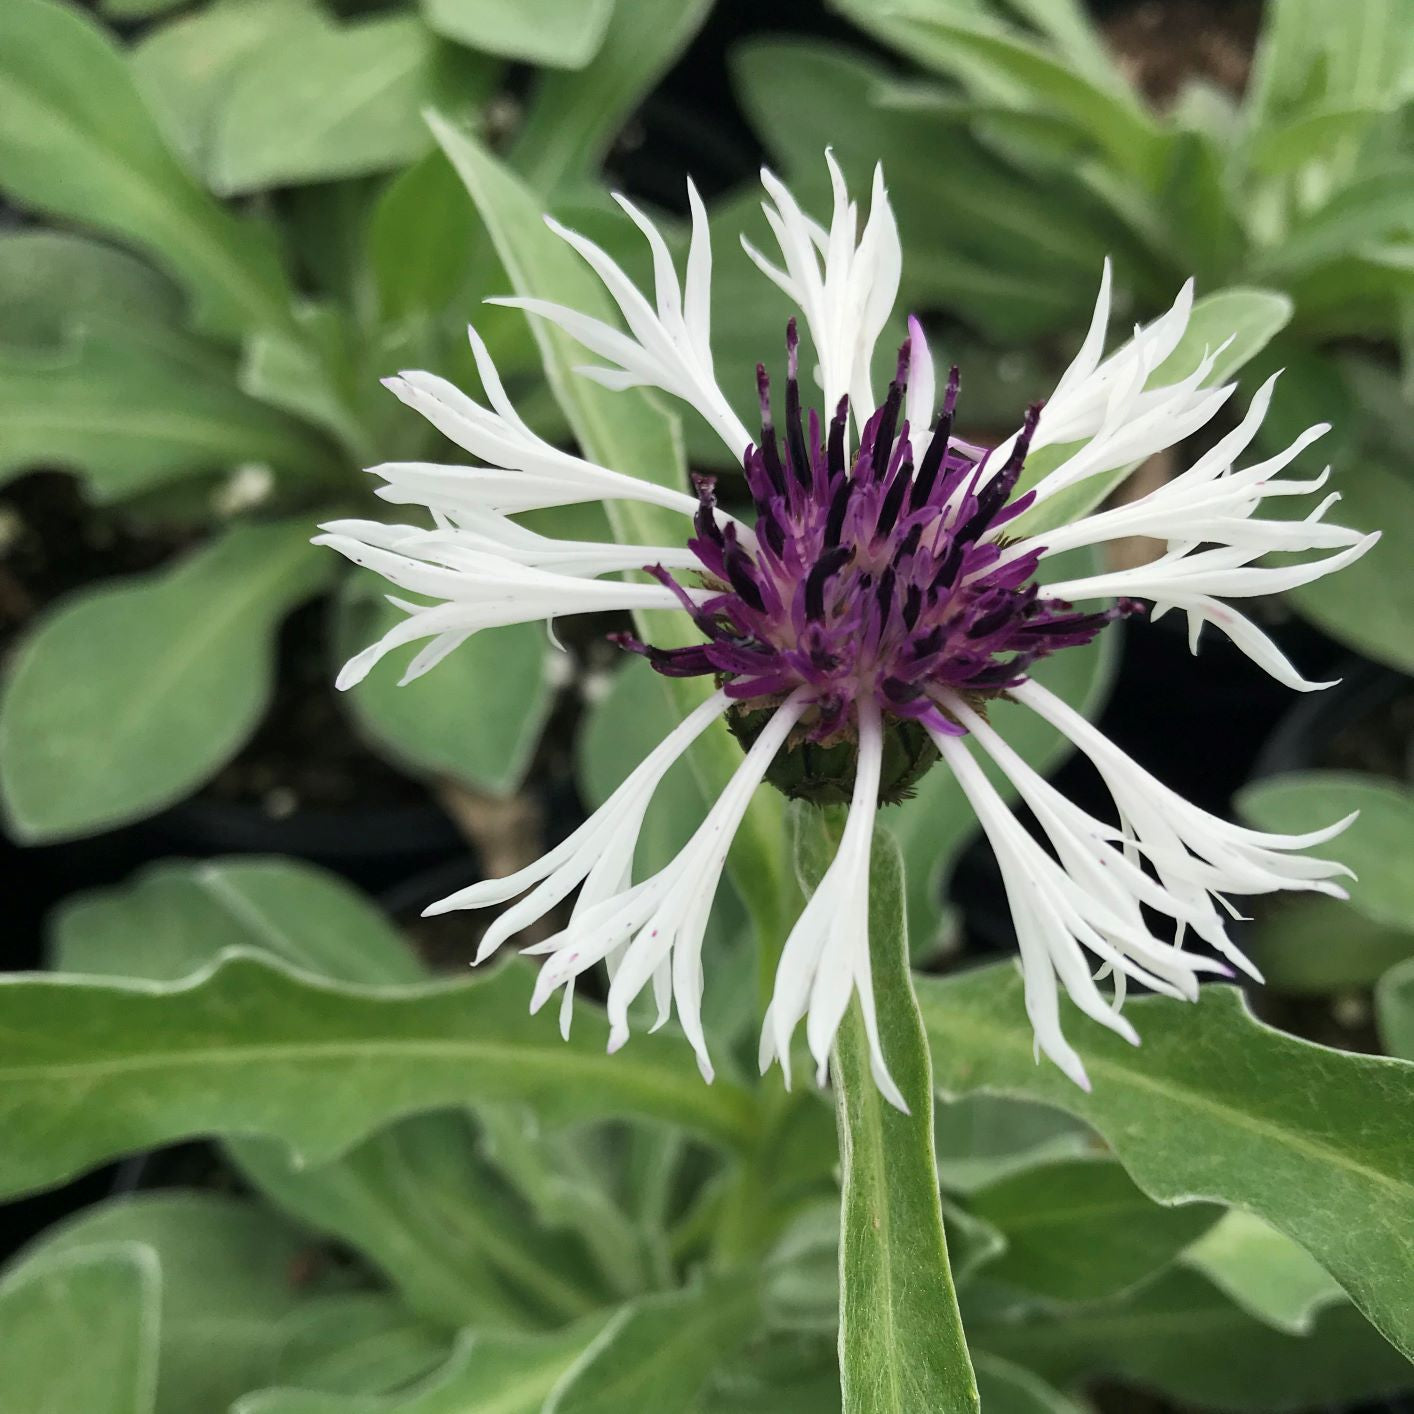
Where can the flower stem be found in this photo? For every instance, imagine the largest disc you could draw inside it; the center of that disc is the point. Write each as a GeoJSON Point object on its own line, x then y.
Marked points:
{"type": "Point", "coordinates": [901, 1342]}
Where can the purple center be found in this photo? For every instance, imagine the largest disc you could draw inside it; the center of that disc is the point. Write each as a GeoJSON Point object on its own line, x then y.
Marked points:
{"type": "Point", "coordinates": [870, 576]}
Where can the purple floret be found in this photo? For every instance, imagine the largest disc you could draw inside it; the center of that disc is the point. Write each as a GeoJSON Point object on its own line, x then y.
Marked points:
{"type": "Point", "coordinates": [869, 576]}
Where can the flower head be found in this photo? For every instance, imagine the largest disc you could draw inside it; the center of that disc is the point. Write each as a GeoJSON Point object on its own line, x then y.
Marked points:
{"type": "Point", "coordinates": [883, 590]}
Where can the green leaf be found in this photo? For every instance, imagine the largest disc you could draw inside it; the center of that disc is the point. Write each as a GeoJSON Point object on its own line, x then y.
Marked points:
{"type": "Point", "coordinates": [1374, 208]}
{"type": "Point", "coordinates": [53, 283]}
{"type": "Point", "coordinates": [1377, 846]}
{"type": "Point", "coordinates": [573, 116]}
{"type": "Point", "coordinates": [178, 916]}
{"type": "Point", "coordinates": [225, 1284]}
{"type": "Point", "coordinates": [982, 1139]}
{"type": "Point", "coordinates": [77, 142]}
{"type": "Point", "coordinates": [136, 9]}
{"type": "Point", "coordinates": [96, 1069]}
{"type": "Point", "coordinates": [1017, 258]}
{"type": "Point", "coordinates": [790, 1375]}
{"type": "Point", "coordinates": [1394, 1006]}
{"type": "Point", "coordinates": [1079, 1230]}
{"type": "Point", "coordinates": [1182, 1337]}
{"type": "Point", "coordinates": [186, 68]}
{"type": "Point", "coordinates": [564, 34]}
{"type": "Point", "coordinates": [316, 374]}
{"type": "Point", "coordinates": [1264, 1272]}
{"type": "Point", "coordinates": [983, 56]}
{"type": "Point", "coordinates": [357, 1342]}
{"type": "Point", "coordinates": [420, 239]}
{"type": "Point", "coordinates": [416, 1199]}
{"type": "Point", "coordinates": [81, 1333]}
{"type": "Point", "coordinates": [1361, 292]}
{"type": "Point", "coordinates": [659, 1352]}
{"type": "Point", "coordinates": [1217, 1106]}
{"type": "Point", "coordinates": [630, 433]}
{"type": "Point", "coordinates": [901, 1342]}
{"type": "Point", "coordinates": [477, 719]}
{"type": "Point", "coordinates": [123, 699]}
{"type": "Point", "coordinates": [1369, 605]}
{"type": "Point", "coordinates": [1196, 200]}
{"type": "Point", "coordinates": [1246, 320]}
{"type": "Point", "coordinates": [1012, 1389]}
{"type": "Point", "coordinates": [1284, 147]}
{"type": "Point", "coordinates": [341, 102]}
{"type": "Point", "coordinates": [485, 1375]}
{"type": "Point", "coordinates": [132, 406]}
{"type": "Point", "coordinates": [1307, 945]}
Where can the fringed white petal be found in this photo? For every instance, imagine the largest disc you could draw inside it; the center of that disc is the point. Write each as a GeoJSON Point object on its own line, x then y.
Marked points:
{"type": "Point", "coordinates": [1210, 517]}
{"type": "Point", "coordinates": [1192, 581]}
{"type": "Point", "coordinates": [605, 842]}
{"type": "Point", "coordinates": [525, 472]}
{"type": "Point", "coordinates": [845, 287]}
{"type": "Point", "coordinates": [1104, 862]}
{"type": "Point", "coordinates": [641, 928]}
{"type": "Point", "coordinates": [1108, 406]}
{"type": "Point", "coordinates": [1053, 916]}
{"type": "Point", "coordinates": [1192, 852]}
{"type": "Point", "coordinates": [669, 343]}
{"type": "Point", "coordinates": [921, 391]}
{"type": "Point", "coordinates": [826, 958]}
{"type": "Point", "coordinates": [480, 591]}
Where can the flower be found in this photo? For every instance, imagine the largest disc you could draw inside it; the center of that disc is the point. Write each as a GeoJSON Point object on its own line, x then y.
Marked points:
{"type": "Point", "coordinates": [884, 592]}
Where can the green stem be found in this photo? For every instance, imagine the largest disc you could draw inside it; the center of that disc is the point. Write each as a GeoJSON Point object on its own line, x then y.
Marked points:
{"type": "Point", "coordinates": [901, 1341]}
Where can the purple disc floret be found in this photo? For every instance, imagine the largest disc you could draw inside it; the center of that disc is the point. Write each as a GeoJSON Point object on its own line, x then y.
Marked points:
{"type": "Point", "coordinates": [870, 576]}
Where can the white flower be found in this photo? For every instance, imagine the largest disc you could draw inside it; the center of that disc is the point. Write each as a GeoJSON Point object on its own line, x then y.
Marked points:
{"type": "Point", "coordinates": [880, 595]}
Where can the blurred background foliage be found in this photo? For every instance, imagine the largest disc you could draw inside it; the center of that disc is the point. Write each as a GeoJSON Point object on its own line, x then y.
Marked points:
{"type": "Point", "coordinates": [223, 223]}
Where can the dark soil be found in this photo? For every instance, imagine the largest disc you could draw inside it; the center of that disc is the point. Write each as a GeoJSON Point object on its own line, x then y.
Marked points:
{"type": "Point", "coordinates": [1163, 44]}
{"type": "Point", "coordinates": [51, 542]}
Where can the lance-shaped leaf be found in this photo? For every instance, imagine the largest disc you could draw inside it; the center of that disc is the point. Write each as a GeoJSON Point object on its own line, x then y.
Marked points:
{"type": "Point", "coordinates": [560, 33]}
{"type": "Point", "coordinates": [1264, 1272]}
{"type": "Point", "coordinates": [497, 1374]}
{"type": "Point", "coordinates": [1394, 1006]}
{"type": "Point", "coordinates": [418, 1199]}
{"type": "Point", "coordinates": [1377, 845]}
{"type": "Point", "coordinates": [574, 115]}
{"type": "Point", "coordinates": [81, 1332]}
{"type": "Point", "coordinates": [133, 407]}
{"type": "Point", "coordinates": [988, 60]}
{"type": "Point", "coordinates": [126, 697]}
{"type": "Point", "coordinates": [356, 1342]}
{"type": "Point", "coordinates": [225, 1266]}
{"type": "Point", "coordinates": [339, 101]}
{"type": "Point", "coordinates": [658, 1352]}
{"type": "Point", "coordinates": [901, 1343]}
{"type": "Point", "coordinates": [77, 141]}
{"type": "Point", "coordinates": [1183, 1337]}
{"type": "Point", "coordinates": [1214, 1105]}
{"type": "Point", "coordinates": [94, 1069]}
{"type": "Point", "coordinates": [1013, 1389]}
{"type": "Point", "coordinates": [629, 432]}
{"type": "Point", "coordinates": [1079, 1230]}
